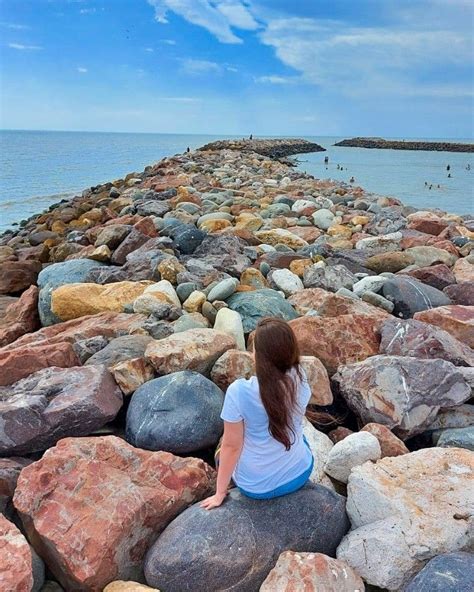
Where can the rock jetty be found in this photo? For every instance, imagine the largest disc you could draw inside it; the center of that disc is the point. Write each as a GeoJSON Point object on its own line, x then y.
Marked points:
{"type": "Point", "coordinates": [128, 310]}
{"type": "Point", "coordinates": [405, 145]}
{"type": "Point", "coordinates": [273, 148]}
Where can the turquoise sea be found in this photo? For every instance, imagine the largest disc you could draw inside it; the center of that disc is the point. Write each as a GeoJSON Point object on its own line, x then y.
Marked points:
{"type": "Point", "coordinates": [38, 168]}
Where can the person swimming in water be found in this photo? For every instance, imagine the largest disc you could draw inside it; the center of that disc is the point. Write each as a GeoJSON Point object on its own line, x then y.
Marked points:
{"type": "Point", "coordinates": [351, 180]}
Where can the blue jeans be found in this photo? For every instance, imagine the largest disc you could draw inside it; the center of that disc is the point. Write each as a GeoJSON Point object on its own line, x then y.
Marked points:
{"type": "Point", "coordinates": [286, 488]}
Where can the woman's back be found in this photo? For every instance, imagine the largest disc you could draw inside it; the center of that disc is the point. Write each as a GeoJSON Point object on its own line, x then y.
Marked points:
{"type": "Point", "coordinates": [265, 463]}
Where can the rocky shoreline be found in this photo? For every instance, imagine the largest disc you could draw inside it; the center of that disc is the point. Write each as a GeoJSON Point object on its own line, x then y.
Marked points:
{"type": "Point", "coordinates": [126, 313]}
{"type": "Point", "coordinates": [380, 143]}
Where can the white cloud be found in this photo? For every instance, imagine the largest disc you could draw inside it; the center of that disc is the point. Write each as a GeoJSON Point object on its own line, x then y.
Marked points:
{"type": "Point", "coordinates": [179, 99]}
{"type": "Point", "coordinates": [87, 11]}
{"type": "Point", "coordinates": [197, 67]}
{"type": "Point", "coordinates": [22, 47]}
{"type": "Point", "coordinates": [149, 49]}
{"type": "Point", "coordinates": [82, 70]}
{"type": "Point", "coordinates": [168, 41]}
{"type": "Point", "coordinates": [15, 26]}
{"type": "Point", "coordinates": [274, 79]}
{"type": "Point", "coordinates": [217, 16]}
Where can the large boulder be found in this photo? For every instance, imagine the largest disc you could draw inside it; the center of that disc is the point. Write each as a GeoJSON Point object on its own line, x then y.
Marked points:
{"type": "Point", "coordinates": [232, 365]}
{"type": "Point", "coordinates": [235, 546]}
{"type": "Point", "coordinates": [92, 506]}
{"type": "Point", "coordinates": [404, 510]}
{"type": "Point", "coordinates": [456, 319]}
{"type": "Point", "coordinates": [448, 572]}
{"type": "Point", "coordinates": [21, 570]}
{"type": "Point", "coordinates": [59, 274]}
{"type": "Point", "coordinates": [402, 393]}
{"type": "Point", "coordinates": [331, 278]}
{"type": "Point", "coordinates": [195, 349]}
{"type": "Point", "coordinates": [120, 349]}
{"type": "Point", "coordinates": [256, 305]}
{"type": "Point", "coordinates": [423, 340]}
{"type": "Point", "coordinates": [16, 276]}
{"type": "Point", "coordinates": [410, 296]}
{"type": "Point", "coordinates": [320, 446]}
{"type": "Point", "coordinates": [20, 317]}
{"type": "Point", "coordinates": [424, 256]}
{"type": "Point", "coordinates": [311, 572]}
{"type": "Point", "coordinates": [178, 413]}
{"type": "Point", "coordinates": [10, 469]}
{"type": "Point", "coordinates": [79, 300]}
{"type": "Point", "coordinates": [56, 345]}
{"type": "Point", "coordinates": [352, 451]}
{"type": "Point", "coordinates": [461, 293]}
{"type": "Point", "coordinates": [337, 340]}
{"type": "Point", "coordinates": [437, 276]}
{"type": "Point", "coordinates": [53, 403]}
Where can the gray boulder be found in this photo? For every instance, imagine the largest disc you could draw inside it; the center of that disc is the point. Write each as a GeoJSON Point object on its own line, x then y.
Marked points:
{"type": "Point", "coordinates": [331, 278]}
{"type": "Point", "coordinates": [179, 413]}
{"type": "Point", "coordinates": [235, 546]}
{"type": "Point", "coordinates": [120, 349]}
{"type": "Point", "coordinates": [457, 438]}
{"type": "Point", "coordinates": [60, 274]}
{"type": "Point", "coordinates": [54, 403]}
{"type": "Point", "coordinates": [403, 393]}
{"type": "Point", "coordinates": [186, 238]}
{"type": "Point", "coordinates": [448, 572]}
{"type": "Point", "coordinates": [410, 296]}
{"type": "Point", "coordinates": [253, 306]}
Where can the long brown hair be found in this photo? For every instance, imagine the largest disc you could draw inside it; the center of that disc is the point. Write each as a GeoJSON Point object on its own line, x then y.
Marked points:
{"type": "Point", "coordinates": [277, 352]}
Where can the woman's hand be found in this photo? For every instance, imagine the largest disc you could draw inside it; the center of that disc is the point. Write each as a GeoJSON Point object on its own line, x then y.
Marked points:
{"type": "Point", "coordinates": [214, 501]}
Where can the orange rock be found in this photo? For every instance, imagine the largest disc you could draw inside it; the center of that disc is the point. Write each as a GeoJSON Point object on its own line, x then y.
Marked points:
{"type": "Point", "coordinates": [455, 319]}
{"type": "Point", "coordinates": [318, 380]}
{"type": "Point", "coordinates": [389, 443]}
{"type": "Point", "coordinates": [299, 265]}
{"type": "Point", "coordinates": [16, 565]}
{"type": "Point", "coordinates": [307, 233]}
{"type": "Point", "coordinates": [232, 365]}
{"type": "Point", "coordinates": [92, 506]}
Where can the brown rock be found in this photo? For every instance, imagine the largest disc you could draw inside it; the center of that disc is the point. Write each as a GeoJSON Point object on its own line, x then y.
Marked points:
{"type": "Point", "coordinates": [233, 364]}
{"type": "Point", "coordinates": [428, 225]}
{"type": "Point", "coordinates": [72, 301]}
{"type": "Point", "coordinates": [282, 236]}
{"type": "Point", "coordinates": [455, 319]}
{"type": "Point", "coordinates": [195, 349]}
{"type": "Point", "coordinates": [5, 302]}
{"type": "Point", "coordinates": [121, 586]}
{"type": "Point", "coordinates": [131, 243]}
{"type": "Point", "coordinates": [16, 276]}
{"type": "Point", "coordinates": [463, 271]}
{"type": "Point", "coordinates": [461, 293]}
{"type": "Point", "coordinates": [318, 381]}
{"type": "Point", "coordinates": [339, 434]}
{"type": "Point", "coordinates": [92, 506]}
{"type": "Point", "coordinates": [439, 276]}
{"type": "Point", "coordinates": [390, 445]}
{"type": "Point", "coordinates": [20, 317]}
{"type": "Point", "coordinates": [253, 278]}
{"type": "Point", "coordinates": [337, 340]}
{"type": "Point", "coordinates": [307, 233]}
{"type": "Point", "coordinates": [130, 374]}
{"type": "Point", "coordinates": [311, 572]}
{"type": "Point", "coordinates": [299, 265]}
{"type": "Point", "coordinates": [16, 564]}
{"type": "Point", "coordinates": [391, 262]}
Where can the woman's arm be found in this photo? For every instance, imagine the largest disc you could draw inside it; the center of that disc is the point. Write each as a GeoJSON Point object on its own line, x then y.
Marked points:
{"type": "Point", "coordinates": [231, 448]}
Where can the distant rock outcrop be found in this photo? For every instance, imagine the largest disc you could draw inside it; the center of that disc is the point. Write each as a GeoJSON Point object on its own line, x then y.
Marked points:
{"type": "Point", "coordinates": [403, 145]}
{"type": "Point", "coordinates": [270, 148]}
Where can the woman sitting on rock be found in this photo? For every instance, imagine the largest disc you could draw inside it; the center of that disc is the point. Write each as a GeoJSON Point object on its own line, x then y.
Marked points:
{"type": "Point", "coordinates": [263, 448]}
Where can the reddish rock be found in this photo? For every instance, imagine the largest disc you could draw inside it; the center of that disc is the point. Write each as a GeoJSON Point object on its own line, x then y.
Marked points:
{"type": "Point", "coordinates": [428, 225]}
{"type": "Point", "coordinates": [339, 434]}
{"type": "Point", "coordinates": [390, 445]}
{"type": "Point", "coordinates": [16, 276]}
{"type": "Point", "coordinates": [463, 270]}
{"type": "Point", "coordinates": [422, 340]}
{"type": "Point", "coordinates": [414, 238]}
{"type": "Point", "coordinates": [16, 564]}
{"type": "Point", "coordinates": [10, 469]}
{"type": "Point", "coordinates": [5, 302]}
{"type": "Point", "coordinates": [53, 346]}
{"type": "Point", "coordinates": [455, 319]}
{"type": "Point", "coordinates": [20, 317]}
{"type": "Point", "coordinates": [146, 226]}
{"type": "Point", "coordinates": [92, 506]}
{"type": "Point", "coordinates": [53, 403]}
{"type": "Point", "coordinates": [131, 242]}
{"type": "Point", "coordinates": [307, 233]}
{"type": "Point", "coordinates": [161, 183]}
{"type": "Point", "coordinates": [233, 364]}
{"type": "Point", "coordinates": [318, 380]}
{"type": "Point", "coordinates": [311, 572]}
{"type": "Point", "coordinates": [277, 259]}
{"type": "Point", "coordinates": [438, 276]}
{"type": "Point", "coordinates": [337, 340]}
{"type": "Point", "coordinates": [461, 293]}
{"type": "Point", "coordinates": [195, 349]}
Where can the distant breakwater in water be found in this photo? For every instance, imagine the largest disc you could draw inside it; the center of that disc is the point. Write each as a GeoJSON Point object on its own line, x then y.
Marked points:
{"type": "Point", "coordinates": [380, 143]}
{"type": "Point", "coordinates": [273, 148]}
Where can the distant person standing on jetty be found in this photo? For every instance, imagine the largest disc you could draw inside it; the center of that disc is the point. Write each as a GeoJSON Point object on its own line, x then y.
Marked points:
{"type": "Point", "coordinates": [263, 448]}
{"type": "Point", "coordinates": [448, 168]}
{"type": "Point", "coordinates": [251, 137]}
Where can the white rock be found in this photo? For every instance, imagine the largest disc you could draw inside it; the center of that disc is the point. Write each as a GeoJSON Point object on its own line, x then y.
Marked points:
{"type": "Point", "coordinates": [302, 204]}
{"type": "Point", "coordinates": [405, 510]}
{"type": "Point", "coordinates": [323, 218]}
{"type": "Point", "coordinates": [351, 452]}
{"type": "Point", "coordinates": [371, 283]}
{"type": "Point", "coordinates": [287, 281]}
{"type": "Point", "coordinates": [164, 290]}
{"type": "Point", "coordinates": [382, 244]}
{"type": "Point", "coordinates": [320, 446]}
{"type": "Point", "coordinates": [230, 322]}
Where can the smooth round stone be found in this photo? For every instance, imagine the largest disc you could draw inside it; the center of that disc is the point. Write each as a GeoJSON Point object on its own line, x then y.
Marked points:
{"type": "Point", "coordinates": [354, 450]}
{"type": "Point", "coordinates": [185, 290]}
{"type": "Point", "coordinates": [178, 413]}
{"type": "Point", "coordinates": [282, 199]}
{"type": "Point", "coordinates": [223, 290]}
{"type": "Point", "coordinates": [253, 306]}
{"type": "Point", "coordinates": [410, 296]}
{"type": "Point", "coordinates": [371, 283]}
{"type": "Point", "coordinates": [230, 322]}
{"type": "Point", "coordinates": [323, 218]}
{"type": "Point", "coordinates": [448, 572]}
{"type": "Point", "coordinates": [460, 241]}
{"type": "Point", "coordinates": [278, 209]}
{"type": "Point", "coordinates": [215, 216]}
{"type": "Point", "coordinates": [286, 281]}
{"type": "Point", "coordinates": [281, 248]}
{"type": "Point", "coordinates": [378, 300]}
{"type": "Point", "coordinates": [193, 320]}
{"type": "Point", "coordinates": [265, 268]}
{"type": "Point", "coordinates": [188, 206]}
{"type": "Point", "coordinates": [209, 311]}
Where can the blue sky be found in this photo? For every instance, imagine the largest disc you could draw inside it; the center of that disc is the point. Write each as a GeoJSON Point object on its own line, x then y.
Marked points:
{"type": "Point", "coordinates": [399, 68]}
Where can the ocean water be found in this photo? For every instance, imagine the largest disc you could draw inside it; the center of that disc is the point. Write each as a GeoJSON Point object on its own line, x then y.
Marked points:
{"type": "Point", "coordinates": [38, 168]}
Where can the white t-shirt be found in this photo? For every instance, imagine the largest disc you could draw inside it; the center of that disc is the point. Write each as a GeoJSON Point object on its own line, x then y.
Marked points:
{"type": "Point", "coordinates": [264, 463]}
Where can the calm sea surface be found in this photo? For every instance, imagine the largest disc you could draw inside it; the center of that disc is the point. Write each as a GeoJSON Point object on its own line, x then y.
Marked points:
{"type": "Point", "coordinates": [39, 168]}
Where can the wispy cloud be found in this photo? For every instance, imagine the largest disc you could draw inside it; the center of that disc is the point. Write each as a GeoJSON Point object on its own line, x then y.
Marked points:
{"type": "Point", "coordinates": [275, 79]}
{"type": "Point", "coordinates": [179, 99]}
{"type": "Point", "coordinates": [82, 70]}
{"type": "Point", "coordinates": [149, 49]}
{"type": "Point", "coordinates": [22, 47]}
{"type": "Point", "coordinates": [216, 16]}
{"type": "Point", "coordinates": [87, 10]}
{"type": "Point", "coordinates": [168, 41]}
{"type": "Point", "coordinates": [198, 67]}
{"type": "Point", "coordinates": [15, 26]}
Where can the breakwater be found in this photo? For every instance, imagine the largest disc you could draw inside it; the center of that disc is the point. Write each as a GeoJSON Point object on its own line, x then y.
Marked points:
{"type": "Point", "coordinates": [273, 148]}
{"type": "Point", "coordinates": [380, 143]}
{"type": "Point", "coordinates": [131, 309]}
